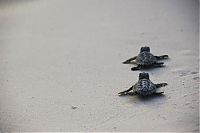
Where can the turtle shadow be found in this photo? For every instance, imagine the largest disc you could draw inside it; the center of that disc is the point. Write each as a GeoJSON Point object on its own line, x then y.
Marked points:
{"type": "Point", "coordinates": [152, 101]}
{"type": "Point", "coordinates": [146, 98]}
{"type": "Point", "coordinates": [151, 97]}
{"type": "Point", "coordinates": [154, 70]}
{"type": "Point", "coordinates": [148, 68]}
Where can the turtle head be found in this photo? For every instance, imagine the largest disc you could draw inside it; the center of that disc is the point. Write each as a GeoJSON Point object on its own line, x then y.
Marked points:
{"type": "Point", "coordinates": [146, 49]}
{"type": "Point", "coordinates": [143, 75]}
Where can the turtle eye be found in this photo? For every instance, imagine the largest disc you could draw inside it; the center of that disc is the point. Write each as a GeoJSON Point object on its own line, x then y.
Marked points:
{"type": "Point", "coordinates": [141, 76]}
{"type": "Point", "coordinates": [147, 76]}
{"type": "Point", "coordinates": [142, 49]}
{"type": "Point", "coordinates": [147, 49]}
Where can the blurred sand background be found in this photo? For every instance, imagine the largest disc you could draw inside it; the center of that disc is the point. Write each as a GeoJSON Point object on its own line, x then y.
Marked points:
{"type": "Point", "coordinates": [60, 65]}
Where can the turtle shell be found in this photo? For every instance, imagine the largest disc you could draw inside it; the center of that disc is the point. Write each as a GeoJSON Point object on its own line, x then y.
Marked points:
{"type": "Point", "coordinates": [145, 87]}
{"type": "Point", "coordinates": [145, 59]}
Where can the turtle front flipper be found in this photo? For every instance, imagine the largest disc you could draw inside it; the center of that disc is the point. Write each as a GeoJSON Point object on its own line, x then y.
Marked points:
{"type": "Point", "coordinates": [129, 60]}
{"type": "Point", "coordinates": [161, 85]}
{"type": "Point", "coordinates": [126, 92]}
{"type": "Point", "coordinates": [136, 68]}
{"type": "Point", "coordinates": [132, 62]}
{"type": "Point", "coordinates": [158, 64]}
{"type": "Point", "coordinates": [158, 93]}
{"type": "Point", "coordinates": [162, 57]}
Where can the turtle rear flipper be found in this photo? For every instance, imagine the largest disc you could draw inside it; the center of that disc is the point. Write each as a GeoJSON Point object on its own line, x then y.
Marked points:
{"type": "Point", "coordinates": [158, 93]}
{"type": "Point", "coordinates": [161, 85]}
{"type": "Point", "coordinates": [162, 57]}
{"type": "Point", "coordinates": [158, 64]}
{"type": "Point", "coordinates": [136, 68]}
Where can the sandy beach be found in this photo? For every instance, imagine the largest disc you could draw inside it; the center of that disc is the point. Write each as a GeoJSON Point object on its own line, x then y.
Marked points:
{"type": "Point", "coordinates": [61, 65]}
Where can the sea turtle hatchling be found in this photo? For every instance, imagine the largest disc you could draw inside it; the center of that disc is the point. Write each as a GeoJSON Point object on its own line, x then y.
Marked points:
{"type": "Point", "coordinates": [143, 87]}
{"type": "Point", "coordinates": [145, 59]}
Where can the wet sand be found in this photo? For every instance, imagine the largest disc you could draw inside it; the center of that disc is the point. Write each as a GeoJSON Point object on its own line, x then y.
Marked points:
{"type": "Point", "coordinates": [61, 65]}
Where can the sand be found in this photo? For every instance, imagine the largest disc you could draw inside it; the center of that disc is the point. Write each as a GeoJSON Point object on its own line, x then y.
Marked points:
{"type": "Point", "coordinates": [61, 70]}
